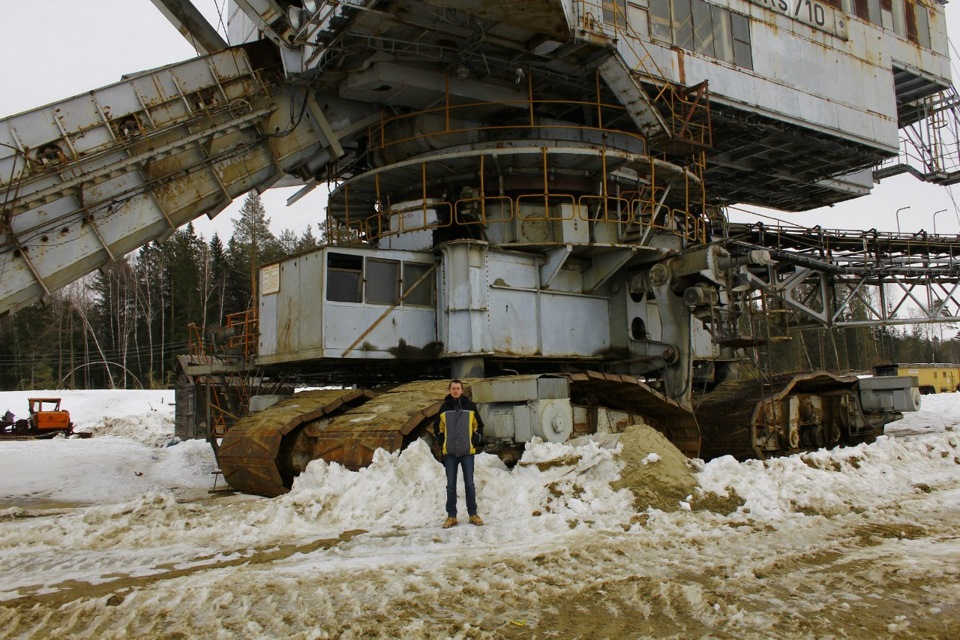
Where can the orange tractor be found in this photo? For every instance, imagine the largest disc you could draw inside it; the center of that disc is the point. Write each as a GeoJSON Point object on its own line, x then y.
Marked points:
{"type": "Point", "coordinates": [46, 420]}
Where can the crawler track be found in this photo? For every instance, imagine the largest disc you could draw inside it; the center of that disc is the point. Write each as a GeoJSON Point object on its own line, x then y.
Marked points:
{"type": "Point", "coordinates": [745, 419]}
{"type": "Point", "coordinates": [627, 393]}
{"type": "Point", "coordinates": [263, 453]}
{"type": "Point", "coordinates": [249, 454]}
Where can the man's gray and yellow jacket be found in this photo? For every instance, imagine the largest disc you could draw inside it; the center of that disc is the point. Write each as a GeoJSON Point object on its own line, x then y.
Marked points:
{"type": "Point", "coordinates": [458, 427]}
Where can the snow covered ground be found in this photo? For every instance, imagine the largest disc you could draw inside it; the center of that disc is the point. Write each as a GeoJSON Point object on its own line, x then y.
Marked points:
{"type": "Point", "coordinates": [118, 536]}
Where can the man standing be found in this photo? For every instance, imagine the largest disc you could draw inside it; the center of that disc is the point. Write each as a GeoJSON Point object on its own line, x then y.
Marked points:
{"type": "Point", "coordinates": [459, 430]}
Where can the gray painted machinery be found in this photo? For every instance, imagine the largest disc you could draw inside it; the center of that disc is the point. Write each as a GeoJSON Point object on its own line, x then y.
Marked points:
{"type": "Point", "coordinates": [530, 189]}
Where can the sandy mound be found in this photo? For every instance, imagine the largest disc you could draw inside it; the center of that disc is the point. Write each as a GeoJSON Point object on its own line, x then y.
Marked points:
{"type": "Point", "coordinates": [654, 470]}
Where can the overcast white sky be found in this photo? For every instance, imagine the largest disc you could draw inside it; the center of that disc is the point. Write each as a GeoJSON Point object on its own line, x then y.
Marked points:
{"type": "Point", "coordinates": [58, 48]}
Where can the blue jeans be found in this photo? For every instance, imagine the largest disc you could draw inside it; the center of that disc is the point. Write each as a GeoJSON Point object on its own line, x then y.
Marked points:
{"type": "Point", "coordinates": [450, 463]}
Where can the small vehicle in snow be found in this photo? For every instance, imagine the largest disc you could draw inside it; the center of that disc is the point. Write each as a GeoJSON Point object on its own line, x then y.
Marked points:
{"type": "Point", "coordinates": [46, 420]}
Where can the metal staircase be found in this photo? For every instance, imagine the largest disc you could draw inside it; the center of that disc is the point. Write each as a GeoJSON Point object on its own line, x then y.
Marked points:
{"type": "Point", "coordinates": [929, 140]}
{"type": "Point", "coordinates": [675, 118]}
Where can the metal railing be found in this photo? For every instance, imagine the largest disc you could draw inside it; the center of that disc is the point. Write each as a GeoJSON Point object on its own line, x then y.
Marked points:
{"type": "Point", "coordinates": [929, 147]}
{"type": "Point", "coordinates": [246, 334]}
{"type": "Point", "coordinates": [688, 108]}
{"type": "Point", "coordinates": [450, 119]}
{"type": "Point", "coordinates": [633, 211]}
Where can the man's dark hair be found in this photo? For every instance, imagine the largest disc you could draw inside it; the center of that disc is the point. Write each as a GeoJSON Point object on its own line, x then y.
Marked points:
{"type": "Point", "coordinates": [453, 382]}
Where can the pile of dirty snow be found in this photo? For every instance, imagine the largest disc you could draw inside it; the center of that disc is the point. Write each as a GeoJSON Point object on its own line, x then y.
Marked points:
{"type": "Point", "coordinates": [151, 429]}
{"type": "Point", "coordinates": [554, 487]}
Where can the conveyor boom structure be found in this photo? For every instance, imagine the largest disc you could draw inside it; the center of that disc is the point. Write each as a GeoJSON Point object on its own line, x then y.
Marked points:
{"type": "Point", "coordinates": [86, 180]}
{"type": "Point", "coordinates": [820, 275]}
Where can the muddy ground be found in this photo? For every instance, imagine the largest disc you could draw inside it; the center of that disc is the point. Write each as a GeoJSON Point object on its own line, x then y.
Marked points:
{"type": "Point", "coordinates": [879, 562]}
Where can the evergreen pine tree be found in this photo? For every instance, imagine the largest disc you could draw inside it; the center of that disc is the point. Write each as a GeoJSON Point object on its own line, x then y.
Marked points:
{"type": "Point", "coordinates": [307, 241]}
{"type": "Point", "coordinates": [217, 300]}
{"type": "Point", "coordinates": [251, 246]}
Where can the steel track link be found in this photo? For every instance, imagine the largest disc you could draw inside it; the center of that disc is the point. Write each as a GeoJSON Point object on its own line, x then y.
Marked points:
{"type": "Point", "coordinates": [263, 453]}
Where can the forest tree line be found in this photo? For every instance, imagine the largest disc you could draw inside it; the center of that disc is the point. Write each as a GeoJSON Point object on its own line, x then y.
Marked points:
{"type": "Point", "coordinates": [125, 326]}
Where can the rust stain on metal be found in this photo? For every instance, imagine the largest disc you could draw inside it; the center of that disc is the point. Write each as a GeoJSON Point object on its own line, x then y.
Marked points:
{"type": "Point", "coordinates": [262, 453]}
{"type": "Point", "coordinates": [231, 173]}
{"type": "Point", "coordinates": [735, 409]}
{"type": "Point", "coordinates": [163, 167]}
{"type": "Point", "coordinates": [629, 394]}
{"type": "Point", "coordinates": [248, 455]}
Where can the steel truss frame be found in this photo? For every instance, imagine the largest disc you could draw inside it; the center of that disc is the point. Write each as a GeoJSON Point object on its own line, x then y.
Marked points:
{"type": "Point", "coordinates": [852, 278]}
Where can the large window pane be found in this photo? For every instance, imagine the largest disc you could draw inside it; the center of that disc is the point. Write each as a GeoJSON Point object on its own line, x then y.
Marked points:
{"type": "Point", "coordinates": [344, 277]}
{"type": "Point", "coordinates": [637, 17]}
{"type": "Point", "coordinates": [910, 11]}
{"type": "Point", "coordinates": [923, 26]}
{"type": "Point", "coordinates": [682, 24]}
{"type": "Point", "coordinates": [660, 20]}
{"type": "Point", "coordinates": [899, 20]}
{"type": "Point", "coordinates": [614, 12]}
{"type": "Point", "coordinates": [741, 55]}
{"type": "Point", "coordinates": [383, 281]}
{"type": "Point", "coordinates": [723, 39]}
{"type": "Point", "coordinates": [740, 25]}
{"type": "Point", "coordinates": [702, 28]}
{"type": "Point", "coordinates": [423, 294]}
{"type": "Point", "coordinates": [861, 9]}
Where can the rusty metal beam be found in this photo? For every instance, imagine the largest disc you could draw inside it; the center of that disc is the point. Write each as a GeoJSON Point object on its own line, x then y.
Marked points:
{"type": "Point", "coordinates": [191, 24]}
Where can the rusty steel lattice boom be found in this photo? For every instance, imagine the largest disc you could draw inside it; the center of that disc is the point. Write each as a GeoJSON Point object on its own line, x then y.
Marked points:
{"type": "Point", "coordinates": [91, 178]}
{"type": "Point", "coordinates": [854, 278]}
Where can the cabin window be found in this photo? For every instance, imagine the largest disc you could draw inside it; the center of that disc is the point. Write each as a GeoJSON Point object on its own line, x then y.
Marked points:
{"type": "Point", "coordinates": [703, 29]}
{"type": "Point", "coordinates": [886, 14]}
{"type": "Point", "coordinates": [923, 26]}
{"type": "Point", "coordinates": [741, 41]}
{"type": "Point", "coordinates": [683, 24]}
{"type": "Point", "coordinates": [908, 18]}
{"type": "Point", "coordinates": [917, 23]}
{"type": "Point", "coordinates": [637, 16]}
{"type": "Point", "coordinates": [660, 20]}
{"type": "Point", "coordinates": [861, 9]}
{"type": "Point", "coordinates": [614, 11]}
{"type": "Point", "coordinates": [706, 28]}
{"type": "Point", "coordinates": [723, 41]}
{"type": "Point", "coordinates": [898, 18]}
{"type": "Point", "coordinates": [344, 277]}
{"type": "Point", "coordinates": [382, 281]}
{"type": "Point", "coordinates": [870, 11]}
{"type": "Point", "coordinates": [423, 294]}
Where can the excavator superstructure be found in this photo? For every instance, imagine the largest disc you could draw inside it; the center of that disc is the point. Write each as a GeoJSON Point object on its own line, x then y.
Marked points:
{"type": "Point", "coordinates": [533, 189]}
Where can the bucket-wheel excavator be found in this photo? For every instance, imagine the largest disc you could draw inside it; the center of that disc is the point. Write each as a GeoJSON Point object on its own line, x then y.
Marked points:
{"type": "Point", "coordinates": [528, 196]}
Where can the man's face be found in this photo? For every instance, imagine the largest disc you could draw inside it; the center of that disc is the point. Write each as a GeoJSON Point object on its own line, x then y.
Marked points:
{"type": "Point", "coordinates": [456, 390]}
